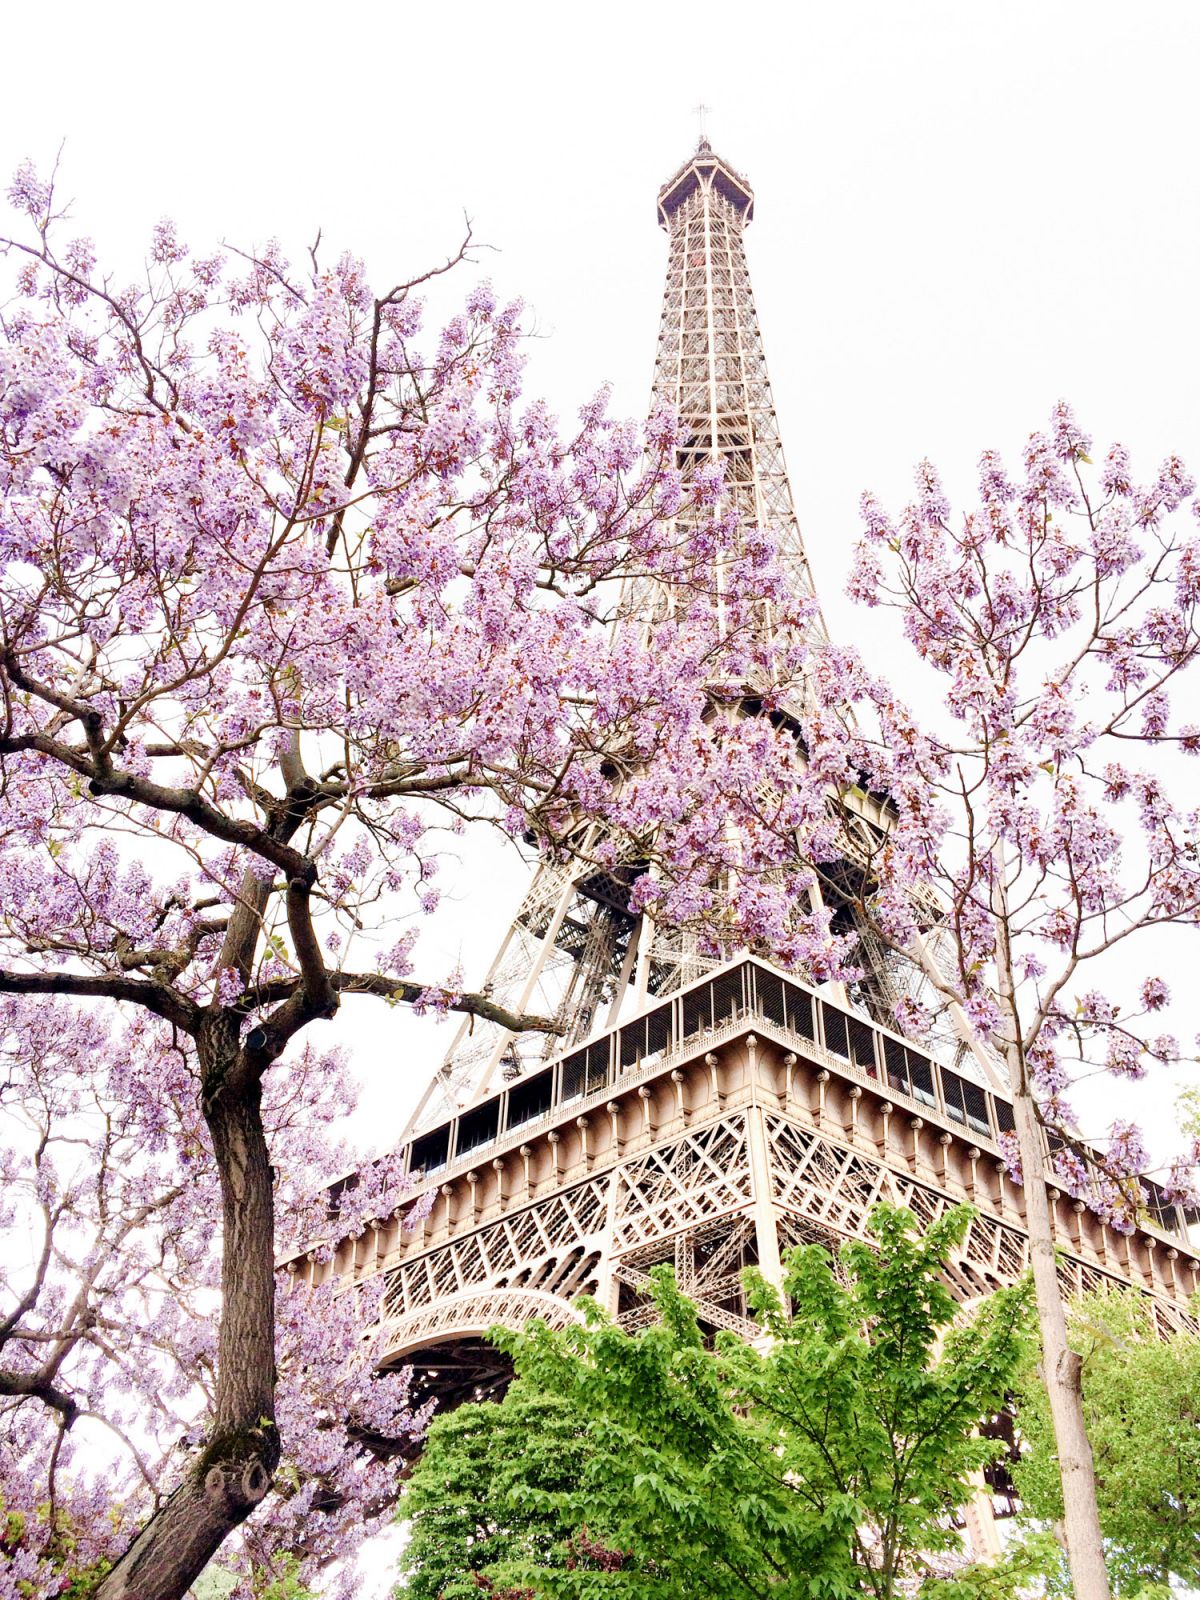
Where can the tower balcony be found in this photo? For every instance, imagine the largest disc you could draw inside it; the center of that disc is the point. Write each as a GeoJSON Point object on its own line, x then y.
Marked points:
{"type": "Point", "coordinates": [749, 1035]}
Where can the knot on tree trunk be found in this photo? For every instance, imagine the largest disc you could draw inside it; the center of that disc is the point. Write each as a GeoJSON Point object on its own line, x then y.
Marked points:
{"type": "Point", "coordinates": [236, 1470]}
{"type": "Point", "coordinates": [1070, 1371]}
{"type": "Point", "coordinates": [232, 1476]}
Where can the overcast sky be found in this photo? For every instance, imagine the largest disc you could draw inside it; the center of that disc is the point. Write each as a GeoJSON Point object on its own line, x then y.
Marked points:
{"type": "Point", "coordinates": [963, 212]}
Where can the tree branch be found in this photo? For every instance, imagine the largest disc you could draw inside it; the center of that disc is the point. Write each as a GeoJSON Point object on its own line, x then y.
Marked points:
{"type": "Point", "coordinates": [474, 1005]}
{"type": "Point", "coordinates": [189, 803]}
{"type": "Point", "coordinates": [163, 1001]}
{"type": "Point", "coordinates": [35, 1386]}
{"type": "Point", "coordinates": [404, 991]}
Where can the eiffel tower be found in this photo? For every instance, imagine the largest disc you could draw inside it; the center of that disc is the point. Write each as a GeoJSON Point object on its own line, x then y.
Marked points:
{"type": "Point", "coordinates": [574, 951]}
{"type": "Point", "coordinates": [704, 1112]}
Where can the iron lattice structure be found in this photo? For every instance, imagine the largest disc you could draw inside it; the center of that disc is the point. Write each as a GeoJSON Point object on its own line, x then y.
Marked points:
{"type": "Point", "coordinates": [574, 951]}
{"type": "Point", "coordinates": [705, 1113]}
{"type": "Point", "coordinates": [746, 1113]}
{"type": "Point", "coordinates": [711, 368]}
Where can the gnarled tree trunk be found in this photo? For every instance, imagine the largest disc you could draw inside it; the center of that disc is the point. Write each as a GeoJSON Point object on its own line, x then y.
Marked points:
{"type": "Point", "coordinates": [233, 1471]}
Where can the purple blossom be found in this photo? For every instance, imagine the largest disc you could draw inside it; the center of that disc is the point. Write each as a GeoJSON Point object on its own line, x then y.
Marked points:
{"type": "Point", "coordinates": [1010, 1151]}
{"type": "Point", "coordinates": [1126, 1149]}
{"type": "Point", "coordinates": [1155, 994]}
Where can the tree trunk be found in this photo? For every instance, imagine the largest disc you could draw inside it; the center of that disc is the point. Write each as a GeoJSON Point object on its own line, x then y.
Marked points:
{"type": "Point", "coordinates": [1060, 1366]}
{"type": "Point", "coordinates": [233, 1471]}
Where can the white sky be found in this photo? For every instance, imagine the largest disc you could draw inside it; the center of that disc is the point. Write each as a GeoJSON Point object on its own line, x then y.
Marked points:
{"type": "Point", "coordinates": [964, 211]}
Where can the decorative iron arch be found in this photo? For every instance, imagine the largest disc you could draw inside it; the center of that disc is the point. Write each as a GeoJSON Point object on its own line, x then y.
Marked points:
{"type": "Point", "coordinates": [468, 1315]}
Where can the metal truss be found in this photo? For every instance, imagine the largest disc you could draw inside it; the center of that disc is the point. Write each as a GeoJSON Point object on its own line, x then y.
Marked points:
{"type": "Point", "coordinates": [552, 1247]}
{"type": "Point", "coordinates": [709, 1189]}
{"type": "Point", "coordinates": [711, 368]}
{"type": "Point", "coordinates": [574, 952]}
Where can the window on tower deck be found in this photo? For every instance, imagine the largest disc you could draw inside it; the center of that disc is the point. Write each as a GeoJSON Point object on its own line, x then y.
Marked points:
{"type": "Point", "coordinates": [430, 1152]}
{"type": "Point", "coordinates": [644, 1040]}
{"type": "Point", "coordinates": [530, 1098]}
{"type": "Point", "coordinates": [785, 1004]}
{"type": "Point", "coordinates": [709, 1004]}
{"type": "Point", "coordinates": [966, 1102]}
{"type": "Point", "coordinates": [836, 1041]}
{"type": "Point", "coordinates": [862, 1045]}
{"type": "Point", "coordinates": [477, 1127]}
{"type": "Point", "coordinates": [851, 1038]}
{"type": "Point", "coordinates": [584, 1072]}
{"type": "Point", "coordinates": [1161, 1211]}
{"type": "Point", "coordinates": [728, 996]}
{"type": "Point", "coordinates": [909, 1072]}
{"type": "Point", "coordinates": [696, 1013]}
{"type": "Point", "coordinates": [920, 1079]}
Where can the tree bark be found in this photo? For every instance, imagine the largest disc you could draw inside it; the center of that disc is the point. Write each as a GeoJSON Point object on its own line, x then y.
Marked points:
{"type": "Point", "coordinates": [233, 1471]}
{"type": "Point", "coordinates": [1060, 1366]}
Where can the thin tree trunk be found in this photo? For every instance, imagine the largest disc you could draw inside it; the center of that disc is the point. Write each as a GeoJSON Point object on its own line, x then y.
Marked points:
{"type": "Point", "coordinates": [1061, 1368]}
{"type": "Point", "coordinates": [233, 1471]}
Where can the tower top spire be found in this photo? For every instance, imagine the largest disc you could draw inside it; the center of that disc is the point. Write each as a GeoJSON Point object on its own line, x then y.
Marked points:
{"type": "Point", "coordinates": [705, 170]}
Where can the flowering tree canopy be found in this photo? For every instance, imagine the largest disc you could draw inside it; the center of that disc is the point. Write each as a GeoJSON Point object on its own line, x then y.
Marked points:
{"type": "Point", "coordinates": [108, 1355]}
{"type": "Point", "coordinates": [1031, 836]}
{"type": "Point", "coordinates": [1060, 615]}
{"type": "Point", "coordinates": [289, 592]}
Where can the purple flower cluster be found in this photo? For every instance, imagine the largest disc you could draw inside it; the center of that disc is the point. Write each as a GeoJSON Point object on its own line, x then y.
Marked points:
{"type": "Point", "coordinates": [1059, 619]}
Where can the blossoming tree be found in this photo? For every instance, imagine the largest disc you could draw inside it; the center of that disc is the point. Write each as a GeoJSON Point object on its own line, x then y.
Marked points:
{"type": "Point", "coordinates": [286, 595]}
{"type": "Point", "coordinates": [1033, 849]}
{"type": "Point", "coordinates": [108, 1353]}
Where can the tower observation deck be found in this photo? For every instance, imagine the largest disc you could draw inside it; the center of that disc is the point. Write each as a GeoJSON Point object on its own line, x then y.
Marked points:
{"type": "Point", "coordinates": [701, 1111]}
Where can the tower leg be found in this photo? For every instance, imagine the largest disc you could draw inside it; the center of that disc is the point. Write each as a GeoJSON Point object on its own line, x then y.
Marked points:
{"type": "Point", "coordinates": [766, 1231]}
{"type": "Point", "coordinates": [981, 1524]}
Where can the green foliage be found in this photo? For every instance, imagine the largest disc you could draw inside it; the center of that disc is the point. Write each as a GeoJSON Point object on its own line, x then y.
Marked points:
{"type": "Point", "coordinates": [851, 1399]}
{"type": "Point", "coordinates": [284, 1583]}
{"type": "Point", "coordinates": [281, 1582]}
{"type": "Point", "coordinates": [484, 1496]}
{"type": "Point", "coordinates": [73, 1581]}
{"type": "Point", "coordinates": [818, 1464]}
{"type": "Point", "coordinates": [1141, 1399]}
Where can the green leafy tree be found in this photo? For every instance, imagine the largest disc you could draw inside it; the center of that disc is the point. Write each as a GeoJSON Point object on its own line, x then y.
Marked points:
{"type": "Point", "coordinates": [485, 1494]}
{"type": "Point", "coordinates": [1141, 1396]}
{"type": "Point", "coordinates": [824, 1461]}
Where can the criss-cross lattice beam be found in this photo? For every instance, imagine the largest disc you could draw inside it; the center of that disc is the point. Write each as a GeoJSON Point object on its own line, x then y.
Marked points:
{"type": "Point", "coordinates": [570, 953]}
